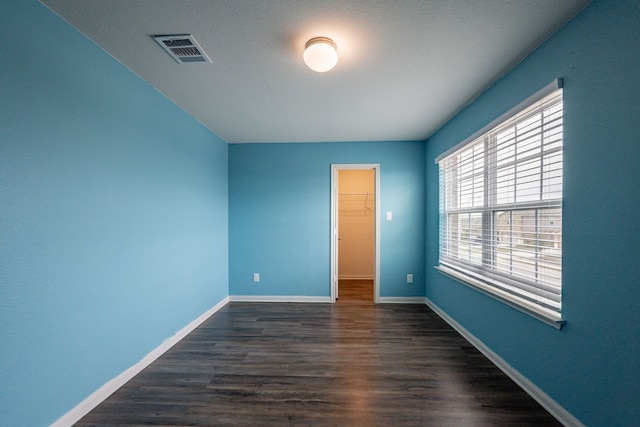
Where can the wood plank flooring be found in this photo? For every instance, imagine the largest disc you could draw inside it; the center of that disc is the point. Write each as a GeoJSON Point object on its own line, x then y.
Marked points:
{"type": "Point", "coordinates": [298, 364]}
{"type": "Point", "coordinates": [355, 291]}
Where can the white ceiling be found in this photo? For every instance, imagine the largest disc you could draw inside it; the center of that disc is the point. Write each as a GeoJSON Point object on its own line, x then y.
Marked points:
{"type": "Point", "coordinates": [405, 67]}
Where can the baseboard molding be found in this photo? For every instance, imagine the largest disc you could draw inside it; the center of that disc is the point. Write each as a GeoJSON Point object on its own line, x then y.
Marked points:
{"type": "Point", "coordinates": [296, 298]}
{"type": "Point", "coordinates": [561, 414]}
{"type": "Point", "coordinates": [402, 300]}
{"type": "Point", "coordinates": [98, 396]}
{"type": "Point", "coordinates": [278, 298]}
{"type": "Point", "coordinates": [106, 390]}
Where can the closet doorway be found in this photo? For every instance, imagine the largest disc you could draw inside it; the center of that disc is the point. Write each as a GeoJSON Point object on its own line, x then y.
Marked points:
{"type": "Point", "coordinates": [354, 233]}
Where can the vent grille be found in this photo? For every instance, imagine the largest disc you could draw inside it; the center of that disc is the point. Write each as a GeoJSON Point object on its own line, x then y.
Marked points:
{"type": "Point", "coordinates": [183, 48]}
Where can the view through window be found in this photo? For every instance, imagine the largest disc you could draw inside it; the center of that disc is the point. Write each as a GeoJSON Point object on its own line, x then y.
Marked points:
{"type": "Point", "coordinates": [501, 208]}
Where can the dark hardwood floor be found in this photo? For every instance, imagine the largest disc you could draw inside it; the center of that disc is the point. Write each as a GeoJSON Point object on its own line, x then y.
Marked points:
{"type": "Point", "coordinates": [345, 364]}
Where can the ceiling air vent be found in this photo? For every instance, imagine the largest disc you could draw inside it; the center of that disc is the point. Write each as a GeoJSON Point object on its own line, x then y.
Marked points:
{"type": "Point", "coordinates": [183, 48]}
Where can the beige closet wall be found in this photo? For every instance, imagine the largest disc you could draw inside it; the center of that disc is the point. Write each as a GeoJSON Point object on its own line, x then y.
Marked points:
{"type": "Point", "coordinates": [356, 224]}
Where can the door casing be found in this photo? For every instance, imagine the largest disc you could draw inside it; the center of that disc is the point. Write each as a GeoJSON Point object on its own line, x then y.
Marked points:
{"type": "Point", "coordinates": [334, 225]}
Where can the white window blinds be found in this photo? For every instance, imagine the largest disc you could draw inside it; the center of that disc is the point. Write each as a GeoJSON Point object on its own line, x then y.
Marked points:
{"type": "Point", "coordinates": [501, 209]}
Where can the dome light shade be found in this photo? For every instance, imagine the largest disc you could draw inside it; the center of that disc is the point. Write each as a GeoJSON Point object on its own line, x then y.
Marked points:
{"type": "Point", "coordinates": [320, 54]}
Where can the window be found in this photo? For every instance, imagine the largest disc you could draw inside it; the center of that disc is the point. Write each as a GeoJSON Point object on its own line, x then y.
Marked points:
{"type": "Point", "coordinates": [501, 208]}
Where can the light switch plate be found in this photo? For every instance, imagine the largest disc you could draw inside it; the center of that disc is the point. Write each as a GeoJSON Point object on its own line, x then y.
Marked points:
{"type": "Point", "coordinates": [389, 216]}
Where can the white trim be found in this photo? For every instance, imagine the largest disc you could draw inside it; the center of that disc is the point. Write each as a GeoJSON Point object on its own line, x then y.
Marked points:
{"type": "Point", "coordinates": [542, 314]}
{"type": "Point", "coordinates": [402, 300]}
{"type": "Point", "coordinates": [335, 167]}
{"type": "Point", "coordinates": [376, 280]}
{"type": "Point", "coordinates": [548, 89]}
{"type": "Point", "coordinates": [111, 386]}
{"type": "Point", "coordinates": [279, 298]}
{"type": "Point", "coordinates": [553, 407]}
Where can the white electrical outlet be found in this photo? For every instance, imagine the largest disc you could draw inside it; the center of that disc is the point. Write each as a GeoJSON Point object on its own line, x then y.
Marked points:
{"type": "Point", "coordinates": [409, 278]}
{"type": "Point", "coordinates": [256, 277]}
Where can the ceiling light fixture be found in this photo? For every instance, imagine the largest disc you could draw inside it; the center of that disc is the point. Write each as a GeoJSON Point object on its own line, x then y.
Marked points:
{"type": "Point", "coordinates": [320, 54]}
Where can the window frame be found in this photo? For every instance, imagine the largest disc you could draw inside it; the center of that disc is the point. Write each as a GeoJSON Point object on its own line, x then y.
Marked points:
{"type": "Point", "coordinates": [540, 298]}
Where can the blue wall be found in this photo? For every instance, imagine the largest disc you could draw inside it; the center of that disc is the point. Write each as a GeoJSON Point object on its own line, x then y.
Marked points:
{"type": "Point", "coordinates": [114, 228]}
{"type": "Point", "coordinates": [113, 217]}
{"type": "Point", "coordinates": [591, 367]}
{"type": "Point", "coordinates": [279, 216]}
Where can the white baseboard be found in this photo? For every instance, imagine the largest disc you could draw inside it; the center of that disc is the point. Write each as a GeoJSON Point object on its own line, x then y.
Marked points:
{"type": "Point", "coordinates": [106, 390]}
{"type": "Point", "coordinates": [316, 299]}
{"type": "Point", "coordinates": [553, 407]}
{"type": "Point", "coordinates": [98, 396]}
{"type": "Point", "coordinates": [278, 298]}
{"type": "Point", "coordinates": [402, 300]}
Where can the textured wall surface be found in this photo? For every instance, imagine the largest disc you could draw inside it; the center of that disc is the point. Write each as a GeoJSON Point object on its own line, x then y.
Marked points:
{"type": "Point", "coordinates": [113, 217]}
{"type": "Point", "coordinates": [590, 367]}
{"type": "Point", "coordinates": [279, 216]}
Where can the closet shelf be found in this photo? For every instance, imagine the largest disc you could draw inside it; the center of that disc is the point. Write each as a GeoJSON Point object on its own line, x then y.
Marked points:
{"type": "Point", "coordinates": [356, 203]}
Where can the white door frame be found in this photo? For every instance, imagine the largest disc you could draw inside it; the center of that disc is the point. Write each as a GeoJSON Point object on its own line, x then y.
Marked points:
{"type": "Point", "coordinates": [334, 226]}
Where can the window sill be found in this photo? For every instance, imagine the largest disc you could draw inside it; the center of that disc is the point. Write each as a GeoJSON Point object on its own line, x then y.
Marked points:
{"type": "Point", "coordinates": [548, 317]}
